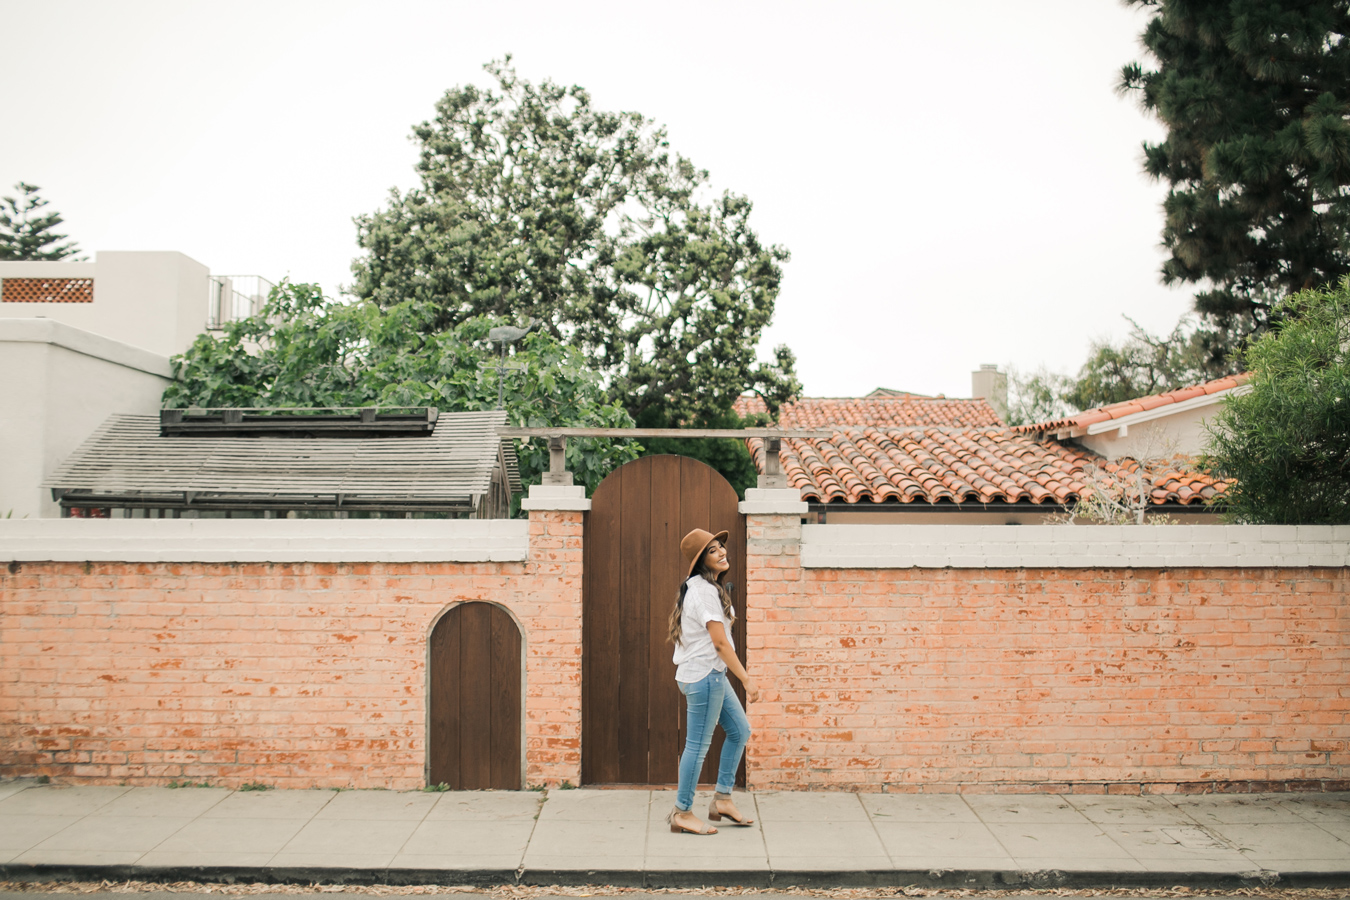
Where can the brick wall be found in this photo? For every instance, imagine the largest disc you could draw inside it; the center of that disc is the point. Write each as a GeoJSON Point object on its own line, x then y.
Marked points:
{"type": "Point", "coordinates": [1020, 679]}
{"type": "Point", "coordinates": [294, 674]}
{"type": "Point", "coordinates": [892, 671]}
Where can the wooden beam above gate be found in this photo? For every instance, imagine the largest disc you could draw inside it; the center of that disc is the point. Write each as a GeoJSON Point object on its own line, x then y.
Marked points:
{"type": "Point", "coordinates": [773, 441]}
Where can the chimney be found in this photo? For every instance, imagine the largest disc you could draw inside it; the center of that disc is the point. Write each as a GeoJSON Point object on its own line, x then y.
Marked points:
{"type": "Point", "coordinates": [992, 385]}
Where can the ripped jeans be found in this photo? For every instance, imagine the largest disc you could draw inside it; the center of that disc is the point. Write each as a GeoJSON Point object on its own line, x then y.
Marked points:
{"type": "Point", "coordinates": [711, 702]}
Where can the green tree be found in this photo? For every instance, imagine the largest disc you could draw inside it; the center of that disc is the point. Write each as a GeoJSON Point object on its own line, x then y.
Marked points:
{"type": "Point", "coordinates": [1140, 365]}
{"type": "Point", "coordinates": [1254, 95]}
{"type": "Point", "coordinates": [302, 350]}
{"type": "Point", "coordinates": [1143, 364]}
{"type": "Point", "coordinates": [28, 233]}
{"type": "Point", "coordinates": [1286, 442]}
{"type": "Point", "coordinates": [1037, 396]}
{"type": "Point", "coordinates": [535, 203]}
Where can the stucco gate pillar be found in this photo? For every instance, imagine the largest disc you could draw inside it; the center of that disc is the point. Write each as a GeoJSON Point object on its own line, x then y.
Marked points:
{"type": "Point", "coordinates": [773, 526]}
{"type": "Point", "coordinates": [553, 692]}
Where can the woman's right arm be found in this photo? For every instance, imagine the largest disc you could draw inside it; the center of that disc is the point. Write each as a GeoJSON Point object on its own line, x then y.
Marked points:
{"type": "Point", "coordinates": [718, 632]}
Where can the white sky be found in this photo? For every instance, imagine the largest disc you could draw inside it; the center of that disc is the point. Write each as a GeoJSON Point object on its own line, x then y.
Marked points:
{"type": "Point", "coordinates": [957, 182]}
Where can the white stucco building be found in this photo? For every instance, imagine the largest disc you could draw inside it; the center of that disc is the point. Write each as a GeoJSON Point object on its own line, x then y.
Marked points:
{"type": "Point", "coordinates": [80, 341]}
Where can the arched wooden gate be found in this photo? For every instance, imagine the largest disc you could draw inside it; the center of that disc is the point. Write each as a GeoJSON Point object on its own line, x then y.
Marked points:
{"type": "Point", "coordinates": [632, 714]}
{"type": "Point", "coordinates": [474, 739]}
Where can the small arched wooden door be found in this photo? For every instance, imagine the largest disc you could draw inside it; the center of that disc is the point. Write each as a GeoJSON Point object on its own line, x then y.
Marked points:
{"type": "Point", "coordinates": [474, 739]}
{"type": "Point", "coordinates": [632, 714]}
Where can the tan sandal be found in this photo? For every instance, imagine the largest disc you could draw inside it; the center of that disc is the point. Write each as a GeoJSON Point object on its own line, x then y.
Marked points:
{"type": "Point", "coordinates": [716, 815]}
{"type": "Point", "coordinates": [677, 828]}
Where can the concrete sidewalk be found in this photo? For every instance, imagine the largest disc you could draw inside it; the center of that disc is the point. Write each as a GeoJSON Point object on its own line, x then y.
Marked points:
{"type": "Point", "coordinates": [620, 837]}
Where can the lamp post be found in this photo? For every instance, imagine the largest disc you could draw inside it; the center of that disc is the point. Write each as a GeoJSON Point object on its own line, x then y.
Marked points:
{"type": "Point", "coordinates": [503, 335]}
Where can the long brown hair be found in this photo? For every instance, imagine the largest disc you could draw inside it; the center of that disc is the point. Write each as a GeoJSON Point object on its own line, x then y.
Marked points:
{"type": "Point", "coordinates": [702, 570]}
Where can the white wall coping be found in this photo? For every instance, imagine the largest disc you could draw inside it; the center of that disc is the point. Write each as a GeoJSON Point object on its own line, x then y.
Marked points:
{"type": "Point", "coordinates": [50, 331]}
{"type": "Point", "coordinates": [1073, 546]}
{"type": "Point", "coordinates": [773, 502]}
{"type": "Point", "coordinates": [264, 540]}
{"type": "Point", "coordinates": [556, 498]}
{"type": "Point", "coordinates": [43, 268]}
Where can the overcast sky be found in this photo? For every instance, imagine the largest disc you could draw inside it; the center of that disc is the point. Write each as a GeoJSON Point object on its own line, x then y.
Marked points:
{"type": "Point", "coordinates": [958, 183]}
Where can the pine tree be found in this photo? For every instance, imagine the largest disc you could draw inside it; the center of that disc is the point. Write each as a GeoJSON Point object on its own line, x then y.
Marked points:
{"type": "Point", "coordinates": [1254, 94]}
{"type": "Point", "coordinates": [26, 233]}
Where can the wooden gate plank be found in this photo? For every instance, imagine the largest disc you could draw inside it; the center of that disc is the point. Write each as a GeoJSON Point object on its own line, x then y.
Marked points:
{"type": "Point", "coordinates": [634, 666]}
{"type": "Point", "coordinates": [665, 728]}
{"type": "Point", "coordinates": [505, 772]}
{"type": "Point", "coordinates": [601, 633]}
{"type": "Point", "coordinates": [475, 696]}
{"type": "Point", "coordinates": [443, 733]}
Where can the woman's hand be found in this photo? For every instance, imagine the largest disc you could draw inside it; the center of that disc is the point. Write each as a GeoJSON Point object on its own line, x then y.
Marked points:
{"type": "Point", "coordinates": [751, 691]}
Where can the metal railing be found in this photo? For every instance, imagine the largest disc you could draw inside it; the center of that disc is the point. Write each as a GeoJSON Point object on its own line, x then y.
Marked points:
{"type": "Point", "coordinates": [233, 297]}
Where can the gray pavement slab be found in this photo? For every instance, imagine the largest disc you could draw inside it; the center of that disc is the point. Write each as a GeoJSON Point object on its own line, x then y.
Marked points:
{"type": "Point", "coordinates": [113, 834]}
{"type": "Point", "coordinates": [144, 802]}
{"type": "Point", "coordinates": [9, 788]}
{"type": "Point", "coordinates": [937, 808]}
{"type": "Point", "coordinates": [270, 805]}
{"type": "Point", "coordinates": [60, 800]}
{"type": "Point", "coordinates": [480, 806]}
{"type": "Point", "coordinates": [621, 837]}
{"type": "Point", "coordinates": [915, 840]}
{"type": "Point", "coordinates": [1108, 809]}
{"type": "Point", "coordinates": [1035, 840]}
{"type": "Point", "coordinates": [232, 835]}
{"type": "Point", "coordinates": [22, 832]}
{"type": "Point", "coordinates": [397, 806]}
{"type": "Point", "coordinates": [1214, 809]}
{"type": "Point", "coordinates": [1040, 809]}
{"type": "Point", "coordinates": [803, 806]}
{"type": "Point", "coordinates": [1302, 840]}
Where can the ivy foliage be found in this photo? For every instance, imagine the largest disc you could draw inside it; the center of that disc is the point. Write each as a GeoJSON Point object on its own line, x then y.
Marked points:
{"type": "Point", "coordinates": [1286, 442]}
{"type": "Point", "coordinates": [304, 350]}
{"type": "Point", "coordinates": [534, 203]}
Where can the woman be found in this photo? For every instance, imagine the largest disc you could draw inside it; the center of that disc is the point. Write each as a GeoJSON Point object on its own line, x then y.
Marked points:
{"type": "Point", "coordinates": [700, 629]}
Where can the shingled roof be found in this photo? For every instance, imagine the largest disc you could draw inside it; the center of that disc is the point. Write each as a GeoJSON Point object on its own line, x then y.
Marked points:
{"type": "Point", "coordinates": [936, 465]}
{"type": "Point", "coordinates": [451, 468]}
{"type": "Point", "coordinates": [877, 411]}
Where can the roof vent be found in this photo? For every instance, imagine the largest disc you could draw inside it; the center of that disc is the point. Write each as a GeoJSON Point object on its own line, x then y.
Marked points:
{"type": "Point", "coordinates": [369, 421]}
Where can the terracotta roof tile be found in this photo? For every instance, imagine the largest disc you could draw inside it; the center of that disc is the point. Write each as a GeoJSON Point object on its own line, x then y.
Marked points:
{"type": "Point", "coordinates": [936, 464]}
{"type": "Point", "coordinates": [812, 412]}
{"type": "Point", "coordinates": [1139, 404]}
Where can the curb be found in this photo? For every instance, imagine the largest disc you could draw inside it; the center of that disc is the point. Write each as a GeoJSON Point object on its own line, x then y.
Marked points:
{"type": "Point", "coordinates": [979, 879]}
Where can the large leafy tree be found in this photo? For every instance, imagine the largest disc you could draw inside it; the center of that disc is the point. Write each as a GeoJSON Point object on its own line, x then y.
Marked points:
{"type": "Point", "coordinates": [533, 203]}
{"type": "Point", "coordinates": [27, 232]}
{"type": "Point", "coordinates": [302, 350]}
{"type": "Point", "coordinates": [1255, 96]}
{"type": "Point", "coordinates": [1286, 442]}
{"type": "Point", "coordinates": [1137, 366]}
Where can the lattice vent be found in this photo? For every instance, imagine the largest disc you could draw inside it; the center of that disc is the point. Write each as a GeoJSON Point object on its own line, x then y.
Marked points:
{"type": "Point", "coordinates": [47, 290]}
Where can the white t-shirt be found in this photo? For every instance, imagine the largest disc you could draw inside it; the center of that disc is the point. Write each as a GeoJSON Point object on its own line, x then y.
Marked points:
{"type": "Point", "coordinates": [695, 655]}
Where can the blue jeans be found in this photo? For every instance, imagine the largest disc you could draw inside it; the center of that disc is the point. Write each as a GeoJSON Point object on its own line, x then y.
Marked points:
{"type": "Point", "coordinates": [711, 701]}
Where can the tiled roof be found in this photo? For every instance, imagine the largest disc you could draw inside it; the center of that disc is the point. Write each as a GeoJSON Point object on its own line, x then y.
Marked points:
{"type": "Point", "coordinates": [1138, 405]}
{"type": "Point", "coordinates": [813, 412]}
{"type": "Point", "coordinates": [959, 465]}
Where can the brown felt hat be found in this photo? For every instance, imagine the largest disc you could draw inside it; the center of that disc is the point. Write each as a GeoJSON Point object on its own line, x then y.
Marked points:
{"type": "Point", "coordinates": [694, 543]}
